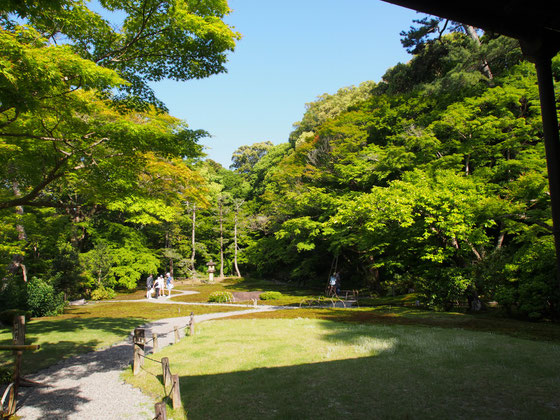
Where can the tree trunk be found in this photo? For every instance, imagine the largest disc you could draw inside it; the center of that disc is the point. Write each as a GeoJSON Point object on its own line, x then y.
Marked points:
{"type": "Point", "coordinates": [193, 241]}
{"type": "Point", "coordinates": [237, 207]}
{"type": "Point", "coordinates": [471, 31]}
{"type": "Point", "coordinates": [167, 246]}
{"type": "Point", "coordinates": [17, 259]}
{"type": "Point", "coordinates": [221, 238]}
{"type": "Point", "coordinates": [501, 236]}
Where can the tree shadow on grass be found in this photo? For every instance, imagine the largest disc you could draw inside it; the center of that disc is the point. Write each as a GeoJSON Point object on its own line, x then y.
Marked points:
{"type": "Point", "coordinates": [387, 385]}
{"type": "Point", "coordinates": [118, 326]}
{"type": "Point", "coordinates": [53, 351]}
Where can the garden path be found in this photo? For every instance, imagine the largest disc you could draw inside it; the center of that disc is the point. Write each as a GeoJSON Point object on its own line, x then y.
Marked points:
{"type": "Point", "coordinates": [89, 386]}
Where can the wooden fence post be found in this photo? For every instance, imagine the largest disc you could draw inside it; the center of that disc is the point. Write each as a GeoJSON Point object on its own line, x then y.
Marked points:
{"type": "Point", "coordinates": [191, 325]}
{"type": "Point", "coordinates": [155, 345]}
{"type": "Point", "coordinates": [176, 328]}
{"type": "Point", "coordinates": [176, 394]}
{"type": "Point", "coordinates": [161, 411]}
{"type": "Point", "coordinates": [18, 335]}
{"type": "Point", "coordinates": [139, 343]}
{"type": "Point", "coordinates": [166, 372]}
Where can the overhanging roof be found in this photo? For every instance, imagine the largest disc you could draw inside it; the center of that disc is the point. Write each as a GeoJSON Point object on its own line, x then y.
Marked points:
{"type": "Point", "coordinates": [535, 23]}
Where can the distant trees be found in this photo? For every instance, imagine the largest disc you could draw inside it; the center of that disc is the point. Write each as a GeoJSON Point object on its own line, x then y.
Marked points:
{"type": "Point", "coordinates": [245, 157]}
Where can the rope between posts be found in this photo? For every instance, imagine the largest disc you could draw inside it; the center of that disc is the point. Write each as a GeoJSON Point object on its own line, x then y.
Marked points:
{"type": "Point", "coordinates": [149, 358]}
{"type": "Point", "coordinates": [171, 390]}
{"type": "Point", "coordinates": [169, 332]}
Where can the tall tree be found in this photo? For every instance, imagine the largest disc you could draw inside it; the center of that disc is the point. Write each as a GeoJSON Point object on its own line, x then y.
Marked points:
{"type": "Point", "coordinates": [237, 207]}
{"type": "Point", "coordinates": [246, 157]}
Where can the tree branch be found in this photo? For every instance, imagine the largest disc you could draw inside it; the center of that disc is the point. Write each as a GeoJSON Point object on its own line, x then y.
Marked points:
{"type": "Point", "coordinates": [27, 199]}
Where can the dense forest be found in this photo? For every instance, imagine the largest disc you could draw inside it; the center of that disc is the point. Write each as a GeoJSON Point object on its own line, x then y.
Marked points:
{"type": "Point", "coordinates": [432, 179]}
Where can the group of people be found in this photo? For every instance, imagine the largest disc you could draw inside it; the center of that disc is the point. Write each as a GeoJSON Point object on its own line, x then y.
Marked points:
{"type": "Point", "coordinates": [158, 286]}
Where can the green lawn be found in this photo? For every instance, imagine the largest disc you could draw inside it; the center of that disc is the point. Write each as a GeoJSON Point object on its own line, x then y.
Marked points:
{"type": "Point", "coordinates": [87, 328]}
{"type": "Point", "coordinates": [314, 368]}
{"type": "Point", "coordinates": [381, 362]}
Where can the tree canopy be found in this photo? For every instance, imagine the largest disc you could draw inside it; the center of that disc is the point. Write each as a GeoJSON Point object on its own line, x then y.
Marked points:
{"type": "Point", "coordinates": [432, 179]}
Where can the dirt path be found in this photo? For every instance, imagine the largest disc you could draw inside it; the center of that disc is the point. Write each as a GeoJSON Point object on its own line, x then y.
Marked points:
{"type": "Point", "coordinates": [88, 386]}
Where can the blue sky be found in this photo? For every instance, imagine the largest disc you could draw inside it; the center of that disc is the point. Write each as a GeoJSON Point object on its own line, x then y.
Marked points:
{"type": "Point", "coordinates": [292, 51]}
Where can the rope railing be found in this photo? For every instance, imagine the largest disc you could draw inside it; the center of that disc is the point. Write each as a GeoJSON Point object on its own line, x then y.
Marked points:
{"type": "Point", "coordinates": [169, 380]}
{"type": "Point", "coordinates": [150, 359]}
{"type": "Point", "coordinates": [8, 402]}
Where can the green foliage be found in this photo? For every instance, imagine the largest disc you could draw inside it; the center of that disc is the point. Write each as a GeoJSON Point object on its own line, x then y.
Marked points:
{"type": "Point", "coordinates": [43, 299]}
{"type": "Point", "coordinates": [271, 296]}
{"type": "Point", "coordinates": [7, 316]}
{"type": "Point", "coordinates": [6, 375]}
{"type": "Point", "coordinates": [13, 293]}
{"type": "Point", "coordinates": [327, 107]}
{"type": "Point", "coordinates": [246, 157]}
{"type": "Point", "coordinates": [103, 293]}
{"type": "Point", "coordinates": [530, 287]}
{"type": "Point", "coordinates": [220, 297]}
{"type": "Point", "coordinates": [434, 180]}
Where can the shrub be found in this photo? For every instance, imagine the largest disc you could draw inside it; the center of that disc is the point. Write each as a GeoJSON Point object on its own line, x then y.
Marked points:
{"type": "Point", "coordinates": [103, 293]}
{"type": "Point", "coordinates": [42, 299]}
{"type": "Point", "coordinates": [271, 296]}
{"type": "Point", "coordinates": [531, 289]}
{"type": "Point", "coordinates": [220, 297]}
{"type": "Point", "coordinates": [6, 375]}
{"type": "Point", "coordinates": [13, 293]}
{"type": "Point", "coordinates": [7, 316]}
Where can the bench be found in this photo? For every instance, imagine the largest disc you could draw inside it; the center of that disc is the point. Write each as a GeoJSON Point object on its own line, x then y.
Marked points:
{"type": "Point", "coordinates": [345, 294]}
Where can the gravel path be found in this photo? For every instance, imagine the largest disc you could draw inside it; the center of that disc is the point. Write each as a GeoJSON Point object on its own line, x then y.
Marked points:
{"type": "Point", "coordinates": [88, 386]}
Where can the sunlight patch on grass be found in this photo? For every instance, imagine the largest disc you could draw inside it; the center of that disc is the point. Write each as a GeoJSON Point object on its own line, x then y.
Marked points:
{"type": "Point", "coordinates": [314, 368]}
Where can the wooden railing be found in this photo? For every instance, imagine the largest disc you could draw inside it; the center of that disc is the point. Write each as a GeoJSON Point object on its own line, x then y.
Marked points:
{"type": "Point", "coordinates": [170, 381]}
{"type": "Point", "coordinates": [9, 398]}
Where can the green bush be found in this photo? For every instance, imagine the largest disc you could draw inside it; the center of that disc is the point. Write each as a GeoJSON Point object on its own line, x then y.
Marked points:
{"type": "Point", "coordinates": [7, 316]}
{"type": "Point", "coordinates": [531, 290]}
{"type": "Point", "coordinates": [103, 293]}
{"type": "Point", "coordinates": [42, 299]}
{"type": "Point", "coordinates": [13, 293]}
{"type": "Point", "coordinates": [271, 296]}
{"type": "Point", "coordinates": [6, 375]}
{"type": "Point", "coordinates": [220, 297]}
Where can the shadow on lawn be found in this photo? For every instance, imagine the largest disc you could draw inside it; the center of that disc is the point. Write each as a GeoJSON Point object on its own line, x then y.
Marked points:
{"type": "Point", "coordinates": [118, 326]}
{"type": "Point", "coordinates": [545, 331]}
{"type": "Point", "coordinates": [53, 351]}
{"type": "Point", "coordinates": [364, 388]}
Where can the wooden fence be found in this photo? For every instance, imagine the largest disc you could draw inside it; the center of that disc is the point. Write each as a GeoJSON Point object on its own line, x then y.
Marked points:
{"type": "Point", "coordinates": [9, 398]}
{"type": "Point", "coordinates": [170, 381]}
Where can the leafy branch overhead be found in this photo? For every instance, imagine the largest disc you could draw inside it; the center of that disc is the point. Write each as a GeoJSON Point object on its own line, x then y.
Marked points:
{"type": "Point", "coordinates": [75, 94]}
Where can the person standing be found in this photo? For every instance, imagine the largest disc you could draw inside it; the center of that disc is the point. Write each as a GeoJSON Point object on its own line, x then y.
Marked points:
{"type": "Point", "coordinates": [159, 286]}
{"type": "Point", "coordinates": [149, 286]}
{"type": "Point", "coordinates": [168, 283]}
{"type": "Point", "coordinates": [337, 282]}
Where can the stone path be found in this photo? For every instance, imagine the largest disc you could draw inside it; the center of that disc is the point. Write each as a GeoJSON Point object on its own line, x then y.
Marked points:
{"type": "Point", "coordinates": [88, 386]}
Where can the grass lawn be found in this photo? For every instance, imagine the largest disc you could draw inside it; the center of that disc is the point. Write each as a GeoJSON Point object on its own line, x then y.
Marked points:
{"type": "Point", "coordinates": [315, 368]}
{"type": "Point", "coordinates": [87, 328]}
{"type": "Point", "coordinates": [292, 296]}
